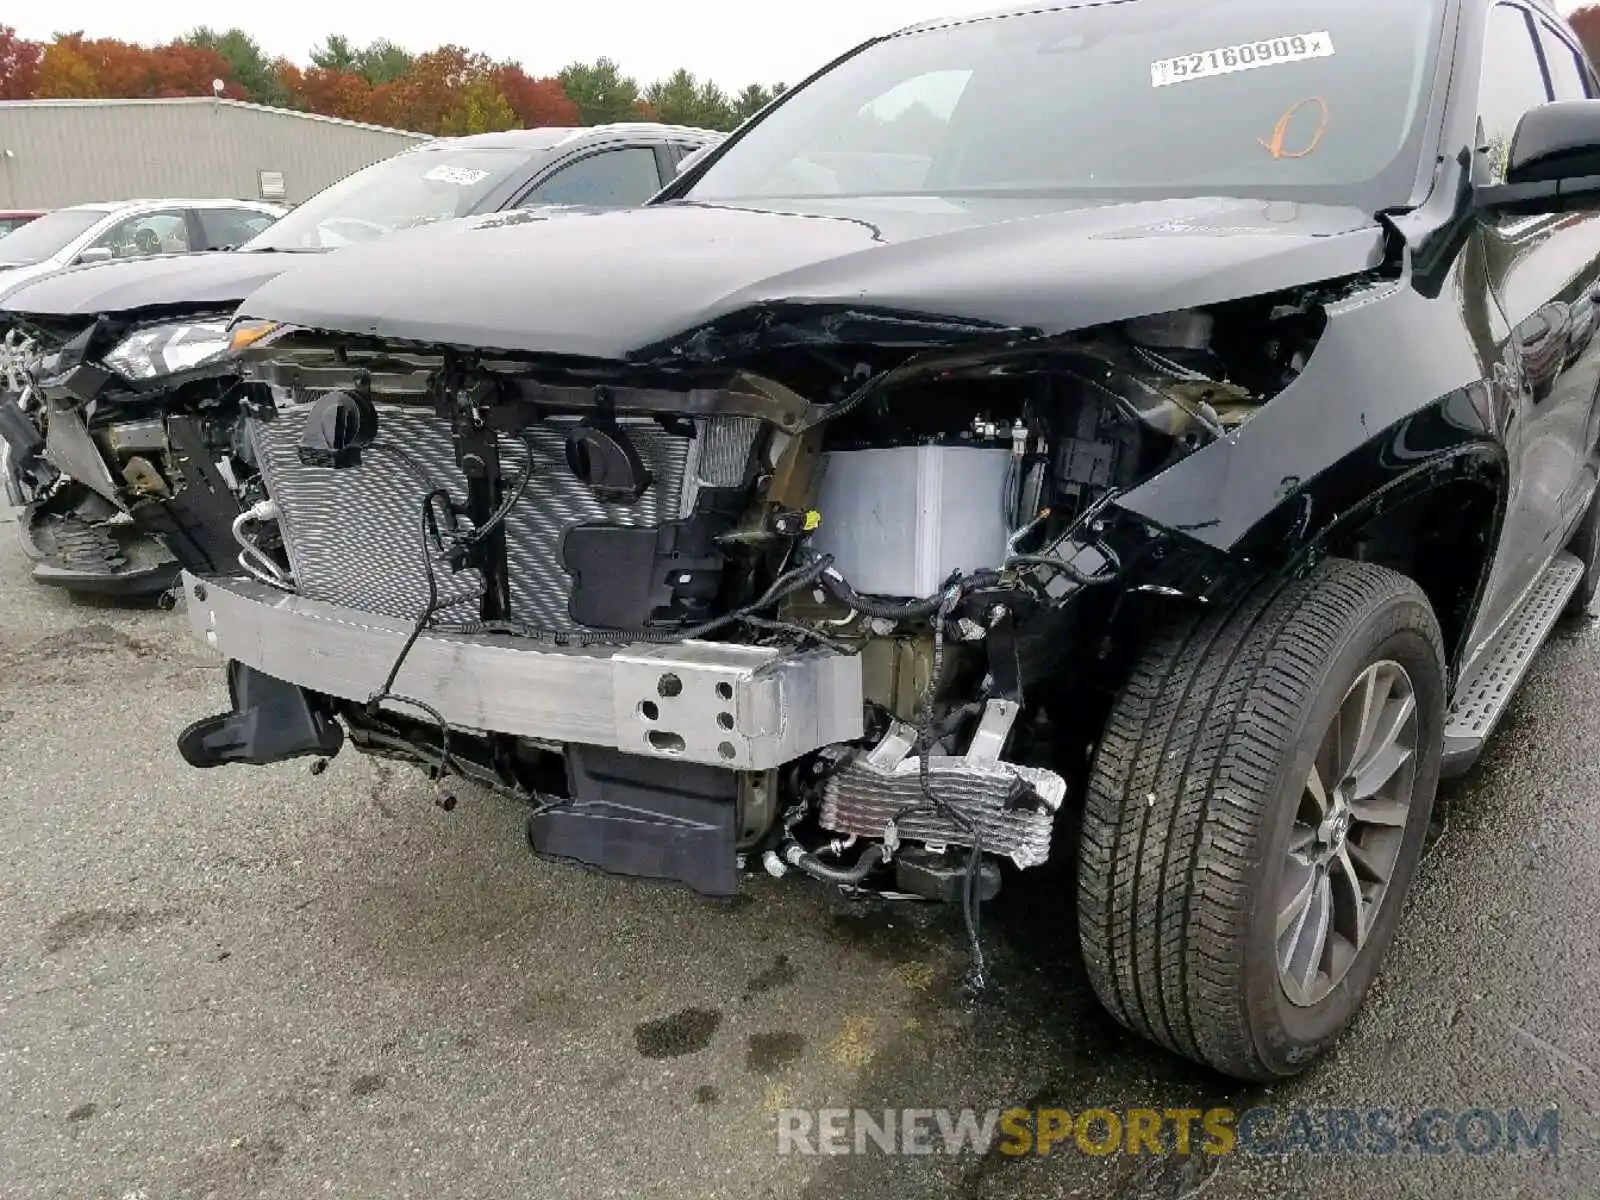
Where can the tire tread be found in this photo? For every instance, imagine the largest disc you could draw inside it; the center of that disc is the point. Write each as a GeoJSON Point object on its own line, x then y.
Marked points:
{"type": "Point", "coordinates": [1181, 784]}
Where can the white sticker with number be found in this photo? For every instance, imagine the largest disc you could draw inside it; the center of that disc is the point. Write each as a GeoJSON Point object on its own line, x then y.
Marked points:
{"type": "Point", "coordinates": [1246, 56]}
{"type": "Point", "coordinates": [465, 176]}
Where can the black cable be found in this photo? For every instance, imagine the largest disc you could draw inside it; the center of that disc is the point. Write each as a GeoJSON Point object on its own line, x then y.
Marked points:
{"type": "Point", "coordinates": [839, 588]}
{"type": "Point", "coordinates": [386, 692]}
{"type": "Point", "coordinates": [1064, 567]}
{"type": "Point", "coordinates": [803, 632]}
{"type": "Point", "coordinates": [510, 502]}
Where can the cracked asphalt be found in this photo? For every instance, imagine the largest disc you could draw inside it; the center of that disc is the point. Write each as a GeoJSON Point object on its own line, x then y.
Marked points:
{"type": "Point", "coordinates": [257, 983]}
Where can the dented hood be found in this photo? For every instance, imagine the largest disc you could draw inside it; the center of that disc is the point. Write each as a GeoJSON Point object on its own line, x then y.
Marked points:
{"type": "Point", "coordinates": [219, 279]}
{"type": "Point", "coordinates": [626, 284]}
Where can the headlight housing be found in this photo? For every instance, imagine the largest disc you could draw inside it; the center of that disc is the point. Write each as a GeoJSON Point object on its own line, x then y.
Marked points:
{"type": "Point", "coordinates": [169, 349]}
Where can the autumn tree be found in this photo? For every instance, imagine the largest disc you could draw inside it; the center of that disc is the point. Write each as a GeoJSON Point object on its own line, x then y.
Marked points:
{"type": "Point", "coordinates": [64, 73]}
{"type": "Point", "coordinates": [601, 91]}
{"type": "Point", "coordinates": [536, 102]}
{"type": "Point", "coordinates": [331, 93]}
{"type": "Point", "coordinates": [19, 65]}
{"type": "Point", "coordinates": [73, 66]}
{"type": "Point", "coordinates": [450, 90]}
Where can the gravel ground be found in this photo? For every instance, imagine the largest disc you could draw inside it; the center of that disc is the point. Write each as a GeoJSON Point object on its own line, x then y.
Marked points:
{"type": "Point", "coordinates": [256, 983]}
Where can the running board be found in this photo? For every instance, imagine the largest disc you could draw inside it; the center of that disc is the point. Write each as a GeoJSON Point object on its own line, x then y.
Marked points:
{"type": "Point", "coordinates": [1482, 698]}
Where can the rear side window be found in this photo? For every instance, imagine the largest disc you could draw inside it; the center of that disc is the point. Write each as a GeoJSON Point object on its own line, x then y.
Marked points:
{"type": "Point", "coordinates": [1568, 76]}
{"type": "Point", "coordinates": [225, 228]}
{"type": "Point", "coordinates": [1513, 81]}
{"type": "Point", "coordinates": [609, 179]}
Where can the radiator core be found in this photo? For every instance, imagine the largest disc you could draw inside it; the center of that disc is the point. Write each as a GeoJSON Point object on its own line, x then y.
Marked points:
{"type": "Point", "coordinates": [354, 535]}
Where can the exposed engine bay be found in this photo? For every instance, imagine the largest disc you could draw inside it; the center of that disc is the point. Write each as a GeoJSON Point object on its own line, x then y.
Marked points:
{"type": "Point", "coordinates": [934, 520]}
{"type": "Point", "coordinates": [702, 623]}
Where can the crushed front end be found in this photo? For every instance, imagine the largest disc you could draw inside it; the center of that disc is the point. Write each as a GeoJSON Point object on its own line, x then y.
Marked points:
{"type": "Point", "coordinates": [117, 444]}
{"type": "Point", "coordinates": [861, 623]}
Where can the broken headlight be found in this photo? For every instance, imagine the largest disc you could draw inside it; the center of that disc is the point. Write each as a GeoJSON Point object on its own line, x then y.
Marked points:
{"type": "Point", "coordinates": [168, 349]}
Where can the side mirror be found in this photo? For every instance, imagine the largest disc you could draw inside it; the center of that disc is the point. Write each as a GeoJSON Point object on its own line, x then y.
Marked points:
{"type": "Point", "coordinates": [95, 254]}
{"type": "Point", "coordinates": [1553, 162]}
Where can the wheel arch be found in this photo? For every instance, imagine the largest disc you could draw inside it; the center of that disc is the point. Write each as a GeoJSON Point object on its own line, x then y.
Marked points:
{"type": "Point", "coordinates": [1439, 525]}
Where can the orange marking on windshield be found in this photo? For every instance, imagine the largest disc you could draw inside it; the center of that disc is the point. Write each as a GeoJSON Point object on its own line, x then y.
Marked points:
{"type": "Point", "coordinates": [1280, 131]}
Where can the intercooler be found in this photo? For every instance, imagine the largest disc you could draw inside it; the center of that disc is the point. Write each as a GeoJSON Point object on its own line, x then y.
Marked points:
{"type": "Point", "coordinates": [1008, 807]}
{"type": "Point", "coordinates": [354, 535]}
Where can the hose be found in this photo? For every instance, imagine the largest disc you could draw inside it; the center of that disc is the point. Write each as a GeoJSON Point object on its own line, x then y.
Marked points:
{"type": "Point", "coordinates": [800, 859]}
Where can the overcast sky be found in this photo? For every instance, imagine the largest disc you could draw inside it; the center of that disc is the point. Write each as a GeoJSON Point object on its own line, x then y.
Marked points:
{"type": "Point", "coordinates": [732, 41]}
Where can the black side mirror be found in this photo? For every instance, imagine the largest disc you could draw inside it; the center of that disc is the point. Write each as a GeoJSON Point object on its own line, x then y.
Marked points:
{"type": "Point", "coordinates": [1553, 162]}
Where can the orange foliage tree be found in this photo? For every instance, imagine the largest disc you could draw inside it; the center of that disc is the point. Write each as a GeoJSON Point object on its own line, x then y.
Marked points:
{"type": "Point", "coordinates": [19, 65]}
{"type": "Point", "coordinates": [448, 91]}
{"type": "Point", "coordinates": [536, 102]}
{"type": "Point", "coordinates": [73, 66]}
{"type": "Point", "coordinates": [332, 93]}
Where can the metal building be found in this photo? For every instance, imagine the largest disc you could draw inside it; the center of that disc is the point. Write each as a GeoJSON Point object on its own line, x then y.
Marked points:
{"type": "Point", "coordinates": [59, 152]}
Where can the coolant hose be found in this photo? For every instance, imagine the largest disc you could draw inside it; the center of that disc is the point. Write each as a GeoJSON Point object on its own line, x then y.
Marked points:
{"type": "Point", "coordinates": [797, 857]}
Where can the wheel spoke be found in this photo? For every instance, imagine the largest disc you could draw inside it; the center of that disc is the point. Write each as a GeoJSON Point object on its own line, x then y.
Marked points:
{"type": "Point", "coordinates": [1353, 893]}
{"type": "Point", "coordinates": [1310, 938]}
{"type": "Point", "coordinates": [1317, 792]}
{"type": "Point", "coordinates": [1379, 768]}
{"type": "Point", "coordinates": [1374, 811]}
{"type": "Point", "coordinates": [1330, 755]}
{"type": "Point", "coordinates": [1371, 694]}
{"type": "Point", "coordinates": [1294, 909]}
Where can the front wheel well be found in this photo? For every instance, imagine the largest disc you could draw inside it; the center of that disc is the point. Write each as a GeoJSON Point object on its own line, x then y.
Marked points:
{"type": "Point", "coordinates": [1443, 539]}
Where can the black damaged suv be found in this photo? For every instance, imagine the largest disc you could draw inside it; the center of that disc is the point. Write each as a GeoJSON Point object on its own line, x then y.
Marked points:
{"type": "Point", "coordinates": [1156, 432]}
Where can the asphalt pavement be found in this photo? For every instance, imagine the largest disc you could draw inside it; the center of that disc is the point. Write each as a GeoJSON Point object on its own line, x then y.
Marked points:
{"type": "Point", "coordinates": [260, 983]}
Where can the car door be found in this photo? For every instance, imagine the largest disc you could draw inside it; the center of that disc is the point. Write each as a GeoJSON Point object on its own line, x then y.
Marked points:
{"type": "Point", "coordinates": [1574, 389]}
{"type": "Point", "coordinates": [618, 176]}
{"type": "Point", "coordinates": [1543, 272]}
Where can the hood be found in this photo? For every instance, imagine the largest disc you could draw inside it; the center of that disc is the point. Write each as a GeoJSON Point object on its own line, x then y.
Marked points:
{"type": "Point", "coordinates": [626, 283]}
{"type": "Point", "coordinates": [217, 279]}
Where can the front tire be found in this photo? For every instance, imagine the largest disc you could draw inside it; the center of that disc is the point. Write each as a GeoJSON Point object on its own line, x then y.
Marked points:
{"type": "Point", "coordinates": [1290, 745]}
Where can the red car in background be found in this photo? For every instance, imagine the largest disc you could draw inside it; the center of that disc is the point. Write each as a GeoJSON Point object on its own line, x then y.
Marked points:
{"type": "Point", "coordinates": [14, 219]}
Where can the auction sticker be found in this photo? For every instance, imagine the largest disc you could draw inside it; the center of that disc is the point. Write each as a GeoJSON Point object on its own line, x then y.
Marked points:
{"type": "Point", "coordinates": [465, 176]}
{"type": "Point", "coordinates": [1246, 56]}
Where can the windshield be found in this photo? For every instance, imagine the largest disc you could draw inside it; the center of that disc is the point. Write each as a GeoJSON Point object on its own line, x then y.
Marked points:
{"type": "Point", "coordinates": [412, 188]}
{"type": "Point", "coordinates": [38, 240]}
{"type": "Point", "coordinates": [1315, 100]}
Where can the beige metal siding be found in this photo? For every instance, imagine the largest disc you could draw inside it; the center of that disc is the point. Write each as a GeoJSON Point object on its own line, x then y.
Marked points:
{"type": "Point", "coordinates": [58, 153]}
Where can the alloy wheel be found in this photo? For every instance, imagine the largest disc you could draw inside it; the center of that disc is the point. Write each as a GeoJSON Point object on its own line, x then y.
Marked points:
{"type": "Point", "coordinates": [1348, 831]}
